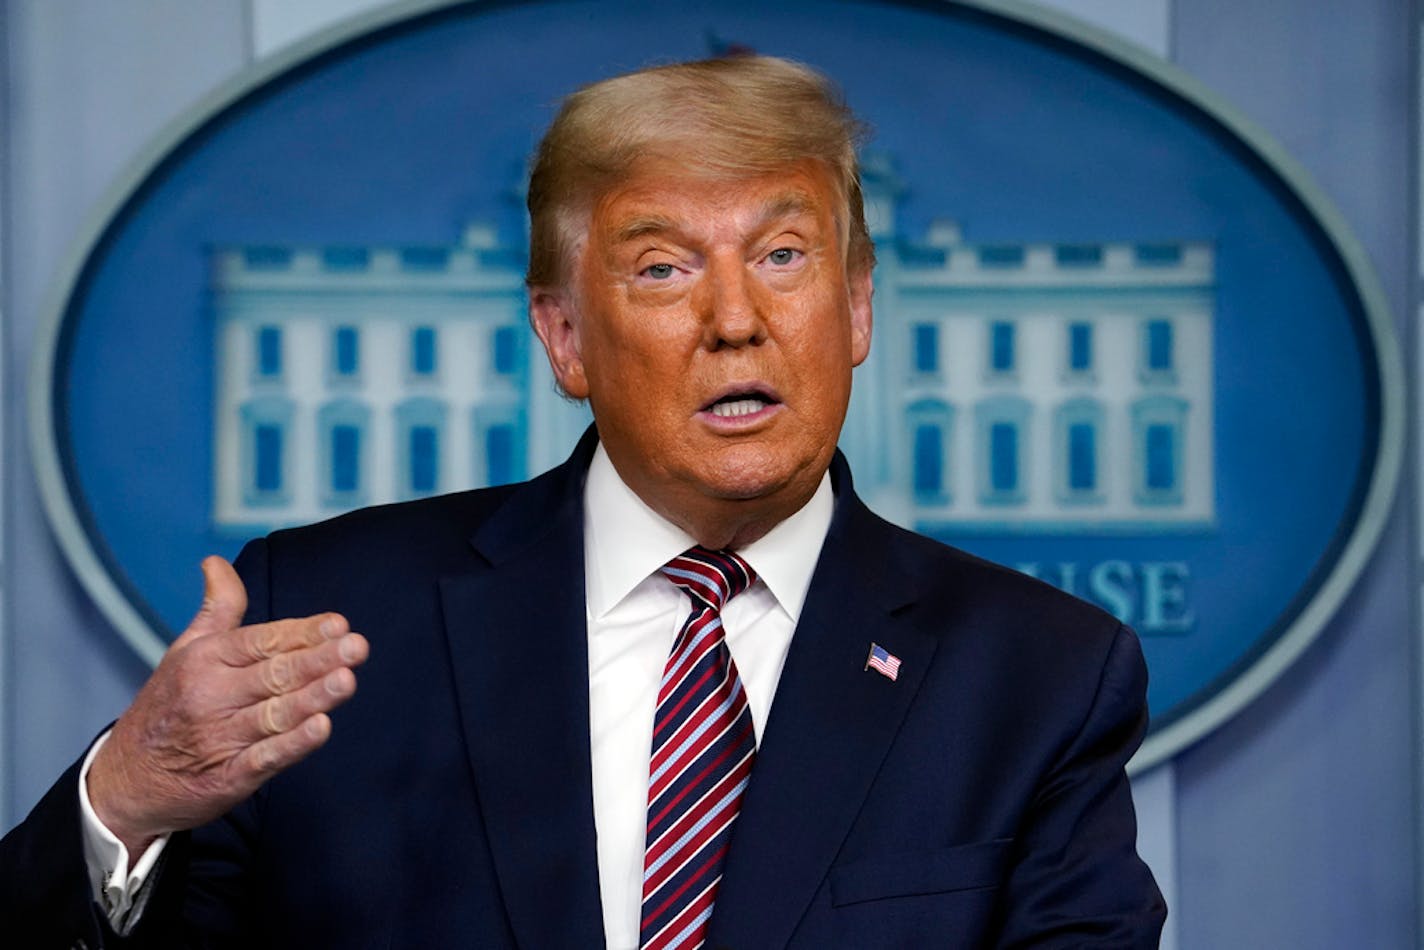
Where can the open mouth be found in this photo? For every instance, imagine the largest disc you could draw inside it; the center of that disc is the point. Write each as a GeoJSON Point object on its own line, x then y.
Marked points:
{"type": "Point", "coordinates": [735, 405]}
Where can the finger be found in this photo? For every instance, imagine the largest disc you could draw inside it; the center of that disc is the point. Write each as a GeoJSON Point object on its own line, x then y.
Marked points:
{"type": "Point", "coordinates": [261, 760]}
{"type": "Point", "coordinates": [292, 670]}
{"type": "Point", "coordinates": [224, 601]}
{"type": "Point", "coordinates": [253, 644]}
{"type": "Point", "coordinates": [278, 714]}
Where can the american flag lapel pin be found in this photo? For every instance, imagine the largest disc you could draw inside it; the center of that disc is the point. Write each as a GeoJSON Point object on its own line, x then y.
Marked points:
{"type": "Point", "coordinates": [883, 662]}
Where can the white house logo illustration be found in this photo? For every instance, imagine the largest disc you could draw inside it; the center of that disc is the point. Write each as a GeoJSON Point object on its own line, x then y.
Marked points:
{"type": "Point", "coordinates": [1111, 377]}
{"type": "Point", "coordinates": [1018, 387]}
{"type": "Point", "coordinates": [349, 376]}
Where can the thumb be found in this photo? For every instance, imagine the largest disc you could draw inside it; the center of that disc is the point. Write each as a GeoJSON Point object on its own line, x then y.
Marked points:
{"type": "Point", "coordinates": [224, 600]}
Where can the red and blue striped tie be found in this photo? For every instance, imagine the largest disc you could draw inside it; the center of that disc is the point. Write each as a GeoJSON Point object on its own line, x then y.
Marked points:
{"type": "Point", "coordinates": [703, 746]}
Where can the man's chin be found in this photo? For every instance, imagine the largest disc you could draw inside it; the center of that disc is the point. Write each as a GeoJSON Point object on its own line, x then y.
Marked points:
{"type": "Point", "coordinates": [760, 486]}
{"type": "Point", "coordinates": [754, 474]}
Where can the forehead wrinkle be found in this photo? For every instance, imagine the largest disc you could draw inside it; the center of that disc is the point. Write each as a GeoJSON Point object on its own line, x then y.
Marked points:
{"type": "Point", "coordinates": [789, 205]}
{"type": "Point", "coordinates": [773, 209]}
{"type": "Point", "coordinates": [641, 225]}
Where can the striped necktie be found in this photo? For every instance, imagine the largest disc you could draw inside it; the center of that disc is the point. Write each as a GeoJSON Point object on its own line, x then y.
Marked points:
{"type": "Point", "coordinates": [703, 746]}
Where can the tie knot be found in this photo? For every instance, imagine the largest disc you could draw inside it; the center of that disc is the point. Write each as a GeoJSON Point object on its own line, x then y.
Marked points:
{"type": "Point", "coordinates": [713, 577]}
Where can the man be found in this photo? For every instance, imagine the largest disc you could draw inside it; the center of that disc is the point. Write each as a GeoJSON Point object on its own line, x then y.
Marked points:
{"type": "Point", "coordinates": [894, 744]}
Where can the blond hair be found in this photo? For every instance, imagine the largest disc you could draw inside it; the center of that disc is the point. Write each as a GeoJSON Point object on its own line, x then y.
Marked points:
{"type": "Point", "coordinates": [733, 117]}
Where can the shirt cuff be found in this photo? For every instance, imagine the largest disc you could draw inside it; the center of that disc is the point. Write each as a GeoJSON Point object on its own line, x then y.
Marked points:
{"type": "Point", "coordinates": [120, 890]}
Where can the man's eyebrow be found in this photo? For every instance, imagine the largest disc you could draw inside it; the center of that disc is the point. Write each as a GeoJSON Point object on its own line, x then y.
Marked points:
{"type": "Point", "coordinates": [642, 225]}
{"type": "Point", "coordinates": [786, 205]}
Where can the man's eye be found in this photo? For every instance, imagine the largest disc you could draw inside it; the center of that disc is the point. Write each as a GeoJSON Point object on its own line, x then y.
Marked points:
{"type": "Point", "coordinates": [782, 256]}
{"type": "Point", "coordinates": [659, 271]}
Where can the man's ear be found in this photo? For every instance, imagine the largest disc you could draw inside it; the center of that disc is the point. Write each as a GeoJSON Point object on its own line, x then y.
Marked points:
{"type": "Point", "coordinates": [551, 311]}
{"type": "Point", "coordinates": [862, 287]}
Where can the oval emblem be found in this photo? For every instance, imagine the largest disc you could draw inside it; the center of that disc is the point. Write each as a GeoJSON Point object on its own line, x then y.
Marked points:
{"type": "Point", "coordinates": [1121, 343]}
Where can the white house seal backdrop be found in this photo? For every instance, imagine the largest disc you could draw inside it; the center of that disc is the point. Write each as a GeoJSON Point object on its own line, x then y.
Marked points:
{"type": "Point", "coordinates": [1113, 323]}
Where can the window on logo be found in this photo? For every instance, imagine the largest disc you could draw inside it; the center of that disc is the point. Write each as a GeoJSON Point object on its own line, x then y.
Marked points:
{"type": "Point", "coordinates": [424, 258]}
{"type": "Point", "coordinates": [1159, 426]}
{"type": "Point", "coordinates": [266, 421]}
{"type": "Point", "coordinates": [1161, 461]}
{"type": "Point", "coordinates": [1157, 356]}
{"type": "Point", "coordinates": [346, 356]}
{"type": "Point", "coordinates": [1158, 255]}
{"type": "Point", "coordinates": [500, 445]}
{"type": "Point", "coordinates": [267, 465]}
{"type": "Point", "coordinates": [1078, 426]}
{"type": "Point", "coordinates": [1080, 348]}
{"type": "Point", "coordinates": [1003, 458]}
{"type": "Point", "coordinates": [343, 425]}
{"type": "Point", "coordinates": [929, 462]}
{"type": "Point", "coordinates": [346, 258]}
{"type": "Point", "coordinates": [1001, 446]}
{"type": "Point", "coordinates": [422, 351]}
{"type": "Point", "coordinates": [269, 352]}
{"type": "Point", "coordinates": [345, 459]}
{"type": "Point", "coordinates": [420, 427]}
{"type": "Point", "coordinates": [1001, 255]}
{"type": "Point", "coordinates": [424, 459]}
{"type": "Point", "coordinates": [1082, 457]}
{"type": "Point", "coordinates": [499, 437]}
{"type": "Point", "coordinates": [1078, 255]}
{"type": "Point", "coordinates": [506, 350]}
{"type": "Point", "coordinates": [1001, 347]}
{"type": "Point", "coordinates": [929, 425]}
{"type": "Point", "coordinates": [926, 348]}
{"type": "Point", "coordinates": [266, 257]}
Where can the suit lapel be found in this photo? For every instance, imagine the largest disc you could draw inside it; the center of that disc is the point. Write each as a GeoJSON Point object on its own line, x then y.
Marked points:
{"type": "Point", "coordinates": [830, 728]}
{"type": "Point", "coordinates": [516, 625]}
{"type": "Point", "coordinates": [517, 633]}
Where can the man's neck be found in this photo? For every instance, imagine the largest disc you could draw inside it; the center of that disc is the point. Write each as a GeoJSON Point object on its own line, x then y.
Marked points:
{"type": "Point", "coordinates": [728, 523]}
{"type": "Point", "coordinates": [625, 541]}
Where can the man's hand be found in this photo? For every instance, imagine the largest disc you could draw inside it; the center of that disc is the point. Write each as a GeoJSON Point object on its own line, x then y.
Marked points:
{"type": "Point", "coordinates": [226, 709]}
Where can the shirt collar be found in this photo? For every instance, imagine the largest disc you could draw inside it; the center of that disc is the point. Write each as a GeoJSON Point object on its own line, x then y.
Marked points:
{"type": "Point", "coordinates": [625, 541]}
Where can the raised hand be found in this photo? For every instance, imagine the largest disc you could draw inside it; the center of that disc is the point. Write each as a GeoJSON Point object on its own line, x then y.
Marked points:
{"type": "Point", "coordinates": [227, 708]}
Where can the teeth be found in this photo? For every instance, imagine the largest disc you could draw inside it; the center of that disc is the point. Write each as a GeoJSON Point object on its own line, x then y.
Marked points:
{"type": "Point", "coordinates": [739, 407]}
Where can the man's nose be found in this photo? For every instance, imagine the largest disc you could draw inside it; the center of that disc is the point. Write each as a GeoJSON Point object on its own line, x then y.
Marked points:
{"type": "Point", "coordinates": [730, 307]}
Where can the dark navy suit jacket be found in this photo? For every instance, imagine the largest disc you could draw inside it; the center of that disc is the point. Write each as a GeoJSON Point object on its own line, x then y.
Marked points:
{"type": "Point", "coordinates": [978, 800]}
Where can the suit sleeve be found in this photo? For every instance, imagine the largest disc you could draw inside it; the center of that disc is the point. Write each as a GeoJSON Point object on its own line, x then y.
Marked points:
{"type": "Point", "coordinates": [1078, 880]}
{"type": "Point", "coordinates": [197, 899]}
{"type": "Point", "coordinates": [44, 882]}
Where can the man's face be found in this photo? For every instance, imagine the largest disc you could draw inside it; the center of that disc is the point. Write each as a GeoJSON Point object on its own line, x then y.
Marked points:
{"type": "Point", "coordinates": [713, 327]}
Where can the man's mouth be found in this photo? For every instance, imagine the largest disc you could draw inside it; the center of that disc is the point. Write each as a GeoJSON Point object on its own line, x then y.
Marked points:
{"type": "Point", "coordinates": [735, 405]}
{"type": "Point", "coordinates": [743, 406]}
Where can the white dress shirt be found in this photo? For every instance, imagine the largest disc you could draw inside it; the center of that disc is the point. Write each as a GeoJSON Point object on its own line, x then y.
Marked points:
{"type": "Point", "coordinates": [117, 888]}
{"type": "Point", "coordinates": [634, 615]}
